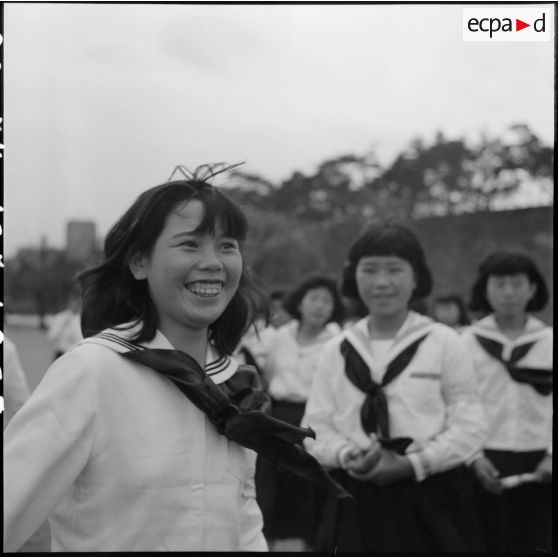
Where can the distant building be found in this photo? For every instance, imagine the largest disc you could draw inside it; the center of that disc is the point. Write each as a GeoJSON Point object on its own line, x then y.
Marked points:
{"type": "Point", "coordinates": [81, 242]}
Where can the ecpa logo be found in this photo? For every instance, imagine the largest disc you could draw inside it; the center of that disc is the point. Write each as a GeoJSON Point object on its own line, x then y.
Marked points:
{"type": "Point", "coordinates": [507, 24]}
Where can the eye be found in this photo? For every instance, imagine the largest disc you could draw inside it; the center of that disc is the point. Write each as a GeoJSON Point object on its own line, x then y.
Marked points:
{"type": "Point", "coordinates": [229, 245]}
{"type": "Point", "coordinates": [191, 244]}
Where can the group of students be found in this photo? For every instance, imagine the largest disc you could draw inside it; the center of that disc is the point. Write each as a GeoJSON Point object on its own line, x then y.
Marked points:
{"type": "Point", "coordinates": [144, 436]}
{"type": "Point", "coordinates": [442, 435]}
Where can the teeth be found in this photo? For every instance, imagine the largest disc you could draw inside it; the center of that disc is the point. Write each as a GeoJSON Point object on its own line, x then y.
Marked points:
{"type": "Point", "coordinates": [205, 289]}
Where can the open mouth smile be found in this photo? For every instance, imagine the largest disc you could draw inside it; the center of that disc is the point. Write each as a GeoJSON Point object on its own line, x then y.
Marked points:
{"type": "Point", "coordinates": [205, 289]}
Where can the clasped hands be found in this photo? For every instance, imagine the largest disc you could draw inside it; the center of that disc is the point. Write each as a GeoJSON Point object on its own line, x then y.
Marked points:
{"type": "Point", "coordinates": [376, 464]}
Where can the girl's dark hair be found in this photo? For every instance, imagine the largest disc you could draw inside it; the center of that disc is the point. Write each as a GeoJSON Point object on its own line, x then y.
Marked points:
{"type": "Point", "coordinates": [453, 298]}
{"type": "Point", "coordinates": [387, 240]}
{"type": "Point", "coordinates": [111, 294]}
{"type": "Point", "coordinates": [294, 298]}
{"type": "Point", "coordinates": [507, 263]}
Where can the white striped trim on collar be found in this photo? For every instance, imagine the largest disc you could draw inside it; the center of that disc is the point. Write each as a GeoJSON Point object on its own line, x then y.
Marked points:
{"type": "Point", "coordinates": [220, 369]}
{"type": "Point", "coordinates": [487, 327]}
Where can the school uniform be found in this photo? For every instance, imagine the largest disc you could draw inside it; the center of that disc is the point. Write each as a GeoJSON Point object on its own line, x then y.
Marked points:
{"type": "Point", "coordinates": [289, 504]}
{"type": "Point", "coordinates": [425, 378]}
{"type": "Point", "coordinates": [515, 379]}
{"type": "Point", "coordinates": [64, 331]}
{"type": "Point", "coordinates": [120, 461]}
{"type": "Point", "coordinates": [255, 345]}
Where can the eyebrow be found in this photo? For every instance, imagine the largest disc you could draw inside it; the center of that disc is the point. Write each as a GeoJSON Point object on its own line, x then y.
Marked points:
{"type": "Point", "coordinates": [186, 233]}
{"type": "Point", "coordinates": [198, 233]}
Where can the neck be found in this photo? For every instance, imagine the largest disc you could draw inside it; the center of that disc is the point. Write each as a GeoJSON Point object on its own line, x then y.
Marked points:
{"type": "Point", "coordinates": [306, 332]}
{"type": "Point", "coordinates": [511, 324]}
{"type": "Point", "coordinates": [193, 342]}
{"type": "Point", "coordinates": [386, 327]}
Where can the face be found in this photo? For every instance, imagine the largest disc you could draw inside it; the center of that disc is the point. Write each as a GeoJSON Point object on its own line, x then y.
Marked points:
{"type": "Point", "coordinates": [508, 295]}
{"type": "Point", "coordinates": [316, 306]}
{"type": "Point", "coordinates": [192, 277]}
{"type": "Point", "coordinates": [385, 285]}
{"type": "Point", "coordinates": [446, 313]}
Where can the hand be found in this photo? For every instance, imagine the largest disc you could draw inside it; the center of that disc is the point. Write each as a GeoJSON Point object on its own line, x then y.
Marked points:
{"type": "Point", "coordinates": [348, 457]}
{"type": "Point", "coordinates": [364, 461]}
{"type": "Point", "coordinates": [543, 472]}
{"type": "Point", "coordinates": [390, 467]}
{"type": "Point", "coordinates": [487, 475]}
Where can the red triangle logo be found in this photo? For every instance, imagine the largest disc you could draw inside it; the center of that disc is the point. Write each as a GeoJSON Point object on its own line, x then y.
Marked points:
{"type": "Point", "coordinates": [519, 25]}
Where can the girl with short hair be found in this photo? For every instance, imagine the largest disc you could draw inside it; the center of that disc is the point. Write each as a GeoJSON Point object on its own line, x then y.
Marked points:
{"type": "Point", "coordinates": [512, 352]}
{"type": "Point", "coordinates": [290, 505]}
{"type": "Point", "coordinates": [396, 412]}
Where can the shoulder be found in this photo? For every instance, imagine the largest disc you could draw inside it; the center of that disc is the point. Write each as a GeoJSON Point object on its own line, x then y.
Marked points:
{"type": "Point", "coordinates": [84, 358]}
{"type": "Point", "coordinates": [331, 349]}
{"type": "Point", "coordinates": [287, 332]}
{"type": "Point", "coordinates": [447, 341]}
{"type": "Point", "coordinates": [538, 326]}
{"type": "Point", "coordinates": [445, 333]}
{"type": "Point", "coordinates": [90, 357]}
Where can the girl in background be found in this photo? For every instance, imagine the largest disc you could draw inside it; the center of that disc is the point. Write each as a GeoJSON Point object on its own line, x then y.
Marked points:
{"type": "Point", "coordinates": [396, 412]}
{"type": "Point", "coordinates": [450, 310]}
{"type": "Point", "coordinates": [288, 503]}
{"type": "Point", "coordinates": [512, 352]}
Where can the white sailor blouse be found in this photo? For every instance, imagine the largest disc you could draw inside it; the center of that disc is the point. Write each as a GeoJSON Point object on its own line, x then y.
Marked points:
{"type": "Point", "coordinates": [289, 367]}
{"type": "Point", "coordinates": [119, 460]}
{"type": "Point", "coordinates": [432, 399]}
{"type": "Point", "coordinates": [515, 381]}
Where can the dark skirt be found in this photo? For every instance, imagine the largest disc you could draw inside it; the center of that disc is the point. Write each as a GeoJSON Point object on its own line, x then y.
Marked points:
{"type": "Point", "coordinates": [290, 505]}
{"type": "Point", "coordinates": [431, 517]}
{"type": "Point", "coordinates": [518, 521]}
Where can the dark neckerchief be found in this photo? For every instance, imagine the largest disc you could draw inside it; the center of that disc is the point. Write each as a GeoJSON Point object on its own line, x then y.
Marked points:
{"type": "Point", "coordinates": [539, 378]}
{"type": "Point", "coordinates": [374, 414]}
{"type": "Point", "coordinates": [236, 408]}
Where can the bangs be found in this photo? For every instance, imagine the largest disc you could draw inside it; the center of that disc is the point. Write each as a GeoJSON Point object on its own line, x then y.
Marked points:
{"type": "Point", "coordinates": [509, 264]}
{"type": "Point", "coordinates": [220, 210]}
{"type": "Point", "coordinates": [388, 247]}
{"type": "Point", "coordinates": [387, 243]}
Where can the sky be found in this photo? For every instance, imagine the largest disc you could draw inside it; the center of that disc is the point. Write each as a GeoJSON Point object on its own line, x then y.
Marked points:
{"type": "Point", "coordinates": [101, 101]}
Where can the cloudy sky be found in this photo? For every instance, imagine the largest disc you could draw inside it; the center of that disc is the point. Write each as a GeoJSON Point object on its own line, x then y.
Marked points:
{"type": "Point", "coordinates": [102, 101]}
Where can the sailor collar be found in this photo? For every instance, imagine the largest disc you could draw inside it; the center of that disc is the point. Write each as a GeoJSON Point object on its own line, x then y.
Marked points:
{"type": "Point", "coordinates": [119, 339]}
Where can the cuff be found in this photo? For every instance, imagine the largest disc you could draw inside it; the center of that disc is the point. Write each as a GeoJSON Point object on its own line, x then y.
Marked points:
{"type": "Point", "coordinates": [419, 464]}
{"type": "Point", "coordinates": [474, 457]}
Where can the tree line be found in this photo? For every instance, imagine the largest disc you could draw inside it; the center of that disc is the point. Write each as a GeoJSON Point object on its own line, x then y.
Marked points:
{"type": "Point", "coordinates": [306, 223]}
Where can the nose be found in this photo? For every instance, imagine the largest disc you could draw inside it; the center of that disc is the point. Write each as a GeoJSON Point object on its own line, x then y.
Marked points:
{"type": "Point", "coordinates": [209, 260]}
{"type": "Point", "coordinates": [508, 289]}
{"type": "Point", "coordinates": [381, 278]}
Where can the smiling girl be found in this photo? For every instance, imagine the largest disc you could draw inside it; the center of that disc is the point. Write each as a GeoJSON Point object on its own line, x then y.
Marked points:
{"type": "Point", "coordinates": [396, 412]}
{"type": "Point", "coordinates": [140, 438]}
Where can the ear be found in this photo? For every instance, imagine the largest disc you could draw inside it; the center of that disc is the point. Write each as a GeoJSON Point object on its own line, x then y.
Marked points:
{"type": "Point", "coordinates": [532, 290]}
{"type": "Point", "coordinates": [138, 266]}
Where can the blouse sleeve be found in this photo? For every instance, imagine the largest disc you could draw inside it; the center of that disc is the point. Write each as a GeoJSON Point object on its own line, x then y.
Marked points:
{"type": "Point", "coordinates": [465, 428]}
{"type": "Point", "coordinates": [320, 409]}
{"type": "Point", "coordinates": [46, 446]}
